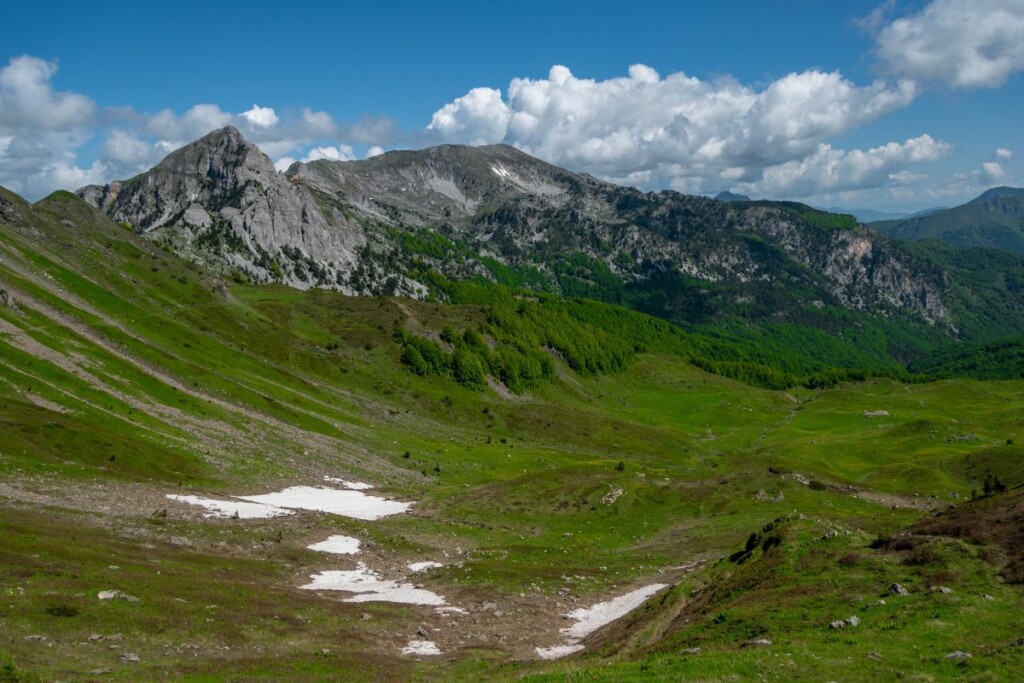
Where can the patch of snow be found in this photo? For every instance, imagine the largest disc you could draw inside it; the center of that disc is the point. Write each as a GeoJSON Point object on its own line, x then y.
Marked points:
{"type": "Point", "coordinates": [421, 647]}
{"type": "Point", "coordinates": [589, 619]}
{"type": "Point", "coordinates": [232, 508]}
{"type": "Point", "coordinates": [501, 172]}
{"type": "Point", "coordinates": [339, 545]}
{"type": "Point", "coordinates": [451, 610]}
{"type": "Point", "coordinates": [347, 503]}
{"type": "Point", "coordinates": [368, 586]}
{"type": "Point", "coordinates": [423, 566]}
{"type": "Point", "coordinates": [557, 651]}
{"type": "Point", "coordinates": [354, 485]}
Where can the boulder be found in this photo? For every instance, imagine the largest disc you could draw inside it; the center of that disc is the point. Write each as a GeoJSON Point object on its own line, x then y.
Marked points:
{"type": "Point", "coordinates": [116, 595]}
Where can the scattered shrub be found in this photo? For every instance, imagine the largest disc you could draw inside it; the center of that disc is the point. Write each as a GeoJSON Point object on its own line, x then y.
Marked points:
{"type": "Point", "coordinates": [62, 611]}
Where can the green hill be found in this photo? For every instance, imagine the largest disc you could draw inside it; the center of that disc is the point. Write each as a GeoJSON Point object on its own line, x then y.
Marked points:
{"type": "Point", "coordinates": [995, 219]}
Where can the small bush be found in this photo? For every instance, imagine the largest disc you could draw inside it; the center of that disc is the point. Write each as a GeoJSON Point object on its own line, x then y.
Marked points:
{"type": "Point", "coordinates": [62, 611]}
{"type": "Point", "coordinates": [850, 560]}
{"type": "Point", "coordinates": [925, 555]}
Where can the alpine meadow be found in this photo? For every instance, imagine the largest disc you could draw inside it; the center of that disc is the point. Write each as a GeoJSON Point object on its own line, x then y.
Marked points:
{"type": "Point", "coordinates": [574, 380]}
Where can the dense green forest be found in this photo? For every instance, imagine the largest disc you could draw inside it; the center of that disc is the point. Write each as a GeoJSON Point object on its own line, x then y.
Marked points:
{"type": "Point", "coordinates": [523, 331]}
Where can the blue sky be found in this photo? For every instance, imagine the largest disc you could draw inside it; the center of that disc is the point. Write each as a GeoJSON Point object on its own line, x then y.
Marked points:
{"type": "Point", "coordinates": [891, 105]}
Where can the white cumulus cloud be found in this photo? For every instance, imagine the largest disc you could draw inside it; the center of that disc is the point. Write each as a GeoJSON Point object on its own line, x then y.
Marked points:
{"type": "Point", "coordinates": [332, 153]}
{"type": "Point", "coordinates": [338, 153]}
{"type": "Point", "coordinates": [29, 102]}
{"type": "Point", "coordinates": [676, 130]}
{"type": "Point", "coordinates": [829, 170]}
{"type": "Point", "coordinates": [123, 147]}
{"type": "Point", "coordinates": [477, 118]}
{"type": "Point", "coordinates": [317, 124]}
{"type": "Point", "coordinates": [196, 122]}
{"type": "Point", "coordinates": [964, 43]}
{"type": "Point", "coordinates": [264, 117]}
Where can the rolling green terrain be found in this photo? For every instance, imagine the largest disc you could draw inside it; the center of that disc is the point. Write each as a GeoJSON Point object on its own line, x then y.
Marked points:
{"type": "Point", "coordinates": [560, 452]}
{"type": "Point", "coordinates": [995, 220]}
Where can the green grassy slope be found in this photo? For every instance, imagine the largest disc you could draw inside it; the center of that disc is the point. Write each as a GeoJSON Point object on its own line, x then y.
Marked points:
{"type": "Point", "coordinates": [126, 374]}
{"type": "Point", "coordinates": [993, 220]}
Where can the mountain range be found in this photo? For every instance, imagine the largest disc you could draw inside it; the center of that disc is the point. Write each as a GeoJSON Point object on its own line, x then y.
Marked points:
{"type": "Point", "coordinates": [406, 222]}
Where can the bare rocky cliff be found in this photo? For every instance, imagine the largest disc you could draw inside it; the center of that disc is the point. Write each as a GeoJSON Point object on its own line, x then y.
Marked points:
{"type": "Point", "coordinates": [221, 198]}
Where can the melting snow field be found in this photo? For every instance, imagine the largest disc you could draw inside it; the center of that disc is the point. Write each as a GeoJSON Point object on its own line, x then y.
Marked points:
{"type": "Point", "coordinates": [339, 545]}
{"type": "Point", "coordinates": [231, 508]}
{"type": "Point", "coordinates": [423, 566]}
{"type": "Point", "coordinates": [589, 619]}
{"type": "Point", "coordinates": [368, 586]}
{"type": "Point", "coordinates": [354, 485]}
{"type": "Point", "coordinates": [421, 647]}
{"type": "Point", "coordinates": [347, 502]}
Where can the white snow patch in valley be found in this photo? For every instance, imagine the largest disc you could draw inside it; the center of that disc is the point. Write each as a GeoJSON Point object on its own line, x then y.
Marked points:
{"type": "Point", "coordinates": [421, 647]}
{"type": "Point", "coordinates": [339, 545]}
{"type": "Point", "coordinates": [347, 503]}
{"type": "Point", "coordinates": [589, 619]}
{"type": "Point", "coordinates": [354, 485]}
{"type": "Point", "coordinates": [557, 651]}
{"type": "Point", "coordinates": [423, 566]}
{"type": "Point", "coordinates": [451, 610]}
{"type": "Point", "coordinates": [232, 508]}
{"type": "Point", "coordinates": [368, 586]}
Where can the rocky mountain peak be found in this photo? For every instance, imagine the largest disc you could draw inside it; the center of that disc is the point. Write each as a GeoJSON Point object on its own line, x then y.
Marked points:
{"type": "Point", "coordinates": [220, 199]}
{"type": "Point", "coordinates": [441, 183]}
{"type": "Point", "coordinates": [218, 154]}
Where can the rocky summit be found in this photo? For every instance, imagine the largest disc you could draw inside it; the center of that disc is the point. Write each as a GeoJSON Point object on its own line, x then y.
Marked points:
{"type": "Point", "coordinates": [220, 199]}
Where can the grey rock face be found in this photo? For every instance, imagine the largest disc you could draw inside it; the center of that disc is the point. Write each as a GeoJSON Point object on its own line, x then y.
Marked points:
{"type": "Point", "coordinates": [226, 190]}
{"type": "Point", "coordinates": [8, 211]}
